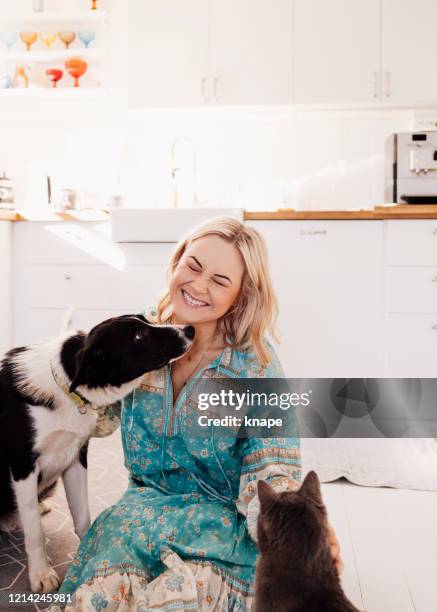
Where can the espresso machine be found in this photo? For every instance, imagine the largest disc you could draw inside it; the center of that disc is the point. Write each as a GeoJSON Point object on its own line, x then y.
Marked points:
{"type": "Point", "coordinates": [411, 168]}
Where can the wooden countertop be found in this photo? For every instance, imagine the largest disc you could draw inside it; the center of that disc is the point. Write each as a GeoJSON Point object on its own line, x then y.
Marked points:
{"type": "Point", "coordinates": [377, 213]}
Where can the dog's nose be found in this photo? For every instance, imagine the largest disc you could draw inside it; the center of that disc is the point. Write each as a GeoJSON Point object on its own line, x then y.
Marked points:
{"type": "Point", "coordinates": [189, 332]}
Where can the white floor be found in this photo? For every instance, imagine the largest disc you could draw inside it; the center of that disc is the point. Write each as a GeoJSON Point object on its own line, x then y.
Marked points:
{"type": "Point", "coordinates": [388, 540]}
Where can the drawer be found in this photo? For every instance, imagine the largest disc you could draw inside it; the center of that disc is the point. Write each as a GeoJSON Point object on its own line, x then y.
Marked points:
{"type": "Point", "coordinates": [82, 244]}
{"type": "Point", "coordinates": [411, 242]}
{"type": "Point", "coordinates": [412, 346]}
{"type": "Point", "coordinates": [86, 287]}
{"type": "Point", "coordinates": [39, 325]}
{"type": "Point", "coordinates": [411, 290]}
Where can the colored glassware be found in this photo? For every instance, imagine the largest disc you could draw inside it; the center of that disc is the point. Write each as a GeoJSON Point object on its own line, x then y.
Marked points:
{"type": "Point", "coordinates": [67, 37]}
{"type": "Point", "coordinates": [76, 68]}
{"type": "Point", "coordinates": [93, 5]}
{"type": "Point", "coordinates": [48, 38]}
{"type": "Point", "coordinates": [54, 75]}
{"type": "Point", "coordinates": [29, 38]}
{"type": "Point", "coordinates": [9, 38]}
{"type": "Point", "coordinates": [87, 37]}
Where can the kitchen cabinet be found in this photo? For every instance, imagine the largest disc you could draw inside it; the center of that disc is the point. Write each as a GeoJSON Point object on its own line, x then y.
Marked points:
{"type": "Point", "coordinates": [411, 298]}
{"type": "Point", "coordinates": [207, 52]}
{"type": "Point", "coordinates": [6, 287]}
{"type": "Point", "coordinates": [70, 275]}
{"type": "Point", "coordinates": [328, 276]}
{"type": "Point", "coordinates": [251, 51]}
{"type": "Point", "coordinates": [337, 51]}
{"type": "Point", "coordinates": [409, 49]}
{"type": "Point", "coordinates": [168, 52]}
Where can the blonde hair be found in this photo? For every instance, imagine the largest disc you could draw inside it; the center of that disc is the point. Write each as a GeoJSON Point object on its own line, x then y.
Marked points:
{"type": "Point", "coordinates": [255, 309]}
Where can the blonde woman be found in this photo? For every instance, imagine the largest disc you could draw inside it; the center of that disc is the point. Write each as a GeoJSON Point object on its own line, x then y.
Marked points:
{"type": "Point", "coordinates": [183, 536]}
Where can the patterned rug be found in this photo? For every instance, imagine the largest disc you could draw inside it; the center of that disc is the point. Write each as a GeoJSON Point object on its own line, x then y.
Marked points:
{"type": "Point", "coordinates": [107, 480]}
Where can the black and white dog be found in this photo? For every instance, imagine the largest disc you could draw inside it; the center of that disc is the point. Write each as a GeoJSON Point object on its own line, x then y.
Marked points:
{"type": "Point", "coordinates": [48, 398]}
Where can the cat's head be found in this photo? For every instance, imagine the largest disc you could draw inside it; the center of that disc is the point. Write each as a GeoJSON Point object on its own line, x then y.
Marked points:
{"type": "Point", "coordinates": [293, 521]}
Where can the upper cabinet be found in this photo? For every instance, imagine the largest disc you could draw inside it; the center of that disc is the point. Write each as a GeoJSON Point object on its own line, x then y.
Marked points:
{"type": "Point", "coordinates": [251, 52]}
{"type": "Point", "coordinates": [337, 51]}
{"type": "Point", "coordinates": [259, 52]}
{"type": "Point", "coordinates": [168, 52]}
{"type": "Point", "coordinates": [207, 52]}
{"type": "Point", "coordinates": [409, 51]}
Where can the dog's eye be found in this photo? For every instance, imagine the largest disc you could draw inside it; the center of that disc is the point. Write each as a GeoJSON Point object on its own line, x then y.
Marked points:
{"type": "Point", "coordinates": [139, 335]}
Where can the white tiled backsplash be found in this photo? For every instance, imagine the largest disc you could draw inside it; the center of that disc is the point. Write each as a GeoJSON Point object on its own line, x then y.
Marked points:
{"type": "Point", "coordinates": [258, 160]}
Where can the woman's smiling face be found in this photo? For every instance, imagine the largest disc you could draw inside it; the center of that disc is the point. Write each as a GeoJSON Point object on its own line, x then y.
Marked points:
{"type": "Point", "coordinates": [206, 280]}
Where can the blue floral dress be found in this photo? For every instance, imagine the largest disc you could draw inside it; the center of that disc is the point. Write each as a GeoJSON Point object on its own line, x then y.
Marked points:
{"type": "Point", "coordinates": [182, 537]}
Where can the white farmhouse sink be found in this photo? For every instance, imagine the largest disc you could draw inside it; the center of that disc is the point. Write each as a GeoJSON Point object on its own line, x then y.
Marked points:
{"type": "Point", "coordinates": [161, 225]}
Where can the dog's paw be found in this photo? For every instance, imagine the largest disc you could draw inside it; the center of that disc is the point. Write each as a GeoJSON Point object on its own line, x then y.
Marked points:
{"type": "Point", "coordinates": [44, 580]}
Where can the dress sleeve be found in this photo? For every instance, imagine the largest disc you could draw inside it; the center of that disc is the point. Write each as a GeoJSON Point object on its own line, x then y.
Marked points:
{"type": "Point", "coordinates": [276, 460]}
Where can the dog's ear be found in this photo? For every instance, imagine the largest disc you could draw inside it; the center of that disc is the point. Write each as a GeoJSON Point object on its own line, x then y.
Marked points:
{"type": "Point", "coordinates": [79, 375]}
{"type": "Point", "coordinates": [267, 496]}
{"type": "Point", "coordinates": [311, 487]}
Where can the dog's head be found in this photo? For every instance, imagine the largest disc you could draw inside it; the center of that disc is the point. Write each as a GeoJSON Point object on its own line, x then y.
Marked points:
{"type": "Point", "coordinates": [122, 349]}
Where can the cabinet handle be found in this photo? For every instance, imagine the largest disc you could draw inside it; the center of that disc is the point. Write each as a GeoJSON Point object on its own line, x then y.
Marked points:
{"type": "Point", "coordinates": [434, 279]}
{"type": "Point", "coordinates": [434, 327]}
{"type": "Point", "coordinates": [67, 277]}
{"type": "Point", "coordinates": [215, 89]}
{"type": "Point", "coordinates": [434, 231]}
{"type": "Point", "coordinates": [204, 94]}
{"type": "Point", "coordinates": [313, 232]}
{"type": "Point", "coordinates": [375, 84]}
{"type": "Point", "coordinates": [387, 84]}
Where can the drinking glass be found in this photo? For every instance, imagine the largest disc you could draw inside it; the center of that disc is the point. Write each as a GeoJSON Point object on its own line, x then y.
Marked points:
{"type": "Point", "coordinates": [87, 37]}
{"type": "Point", "coordinates": [54, 75]}
{"type": "Point", "coordinates": [48, 38]}
{"type": "Point", "coordinates": [28, 37]}
{"type": "Point", "coordinates": [67, 37]}
{"type": "Point", "coordinates": [9, 38]}
{"type": "Point", "coordinates": [93, 5]}
{"type": "Point", "coordinates": [76, 68]}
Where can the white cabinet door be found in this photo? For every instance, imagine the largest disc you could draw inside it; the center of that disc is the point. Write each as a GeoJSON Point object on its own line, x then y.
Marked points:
{"type": "Point", "coordinates": [337, 51]}
{"type": "Point", "coordinates": [409, 50]}
{"type": "Point", "coordinates": [251, 51]}
{"type": "Point", "coordinates": [329, 280]}
{"type": "Point", "coordinates": [168, 52]}
{"type": "Point", "coordinates": [5, 287]}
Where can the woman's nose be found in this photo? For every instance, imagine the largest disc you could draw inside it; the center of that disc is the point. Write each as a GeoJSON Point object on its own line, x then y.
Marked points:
{"type": "Point", "coordinates": [199, 286]}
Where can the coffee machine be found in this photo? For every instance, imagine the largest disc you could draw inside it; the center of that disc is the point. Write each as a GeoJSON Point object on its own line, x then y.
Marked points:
{"type": "Point", "coordinates": [411, 168]}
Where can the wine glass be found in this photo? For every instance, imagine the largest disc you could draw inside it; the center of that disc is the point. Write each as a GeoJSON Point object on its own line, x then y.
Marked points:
{"type": "Point", "coordinates": [48, 38]}
{"type": "Point", "coordinates": [87, 37]}
{"type": "Point", "coordinates": [67, 37]}
{"type": "Point", "coordinates": [76, 68]}
{"type": "Point", "coordinates": [9, 38]}
{"type": "Point", "coordinates": [28, 37]}
{"type": "Point", "coordinates": [94, 5]}
{"type": "Point", "coordinates": [54, 75]}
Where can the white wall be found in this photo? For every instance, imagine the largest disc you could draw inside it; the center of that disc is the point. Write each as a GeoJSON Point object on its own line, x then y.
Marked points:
{"type": "Point", "coordinates": [259, 159]}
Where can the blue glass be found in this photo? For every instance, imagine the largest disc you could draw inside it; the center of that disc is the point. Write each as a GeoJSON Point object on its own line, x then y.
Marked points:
{"type": "Point", "coordinates": [9, 38]}
{"type": "Point", "coordinates": [87, 37]}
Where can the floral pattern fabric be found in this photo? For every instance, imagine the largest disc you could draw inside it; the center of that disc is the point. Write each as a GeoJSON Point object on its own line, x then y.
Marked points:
{"type": "Point", "coordinates": [183, 536]}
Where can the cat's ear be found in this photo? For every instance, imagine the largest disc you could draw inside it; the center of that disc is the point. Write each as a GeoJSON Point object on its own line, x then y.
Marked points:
{"type": "Point", "coordinates": [311, 486]}
{"type": "Point", "coordinates": [267, 496]}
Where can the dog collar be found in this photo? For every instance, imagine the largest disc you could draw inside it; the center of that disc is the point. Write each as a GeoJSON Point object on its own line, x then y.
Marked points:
{"type": "Point", "coordinates": [75, 397]}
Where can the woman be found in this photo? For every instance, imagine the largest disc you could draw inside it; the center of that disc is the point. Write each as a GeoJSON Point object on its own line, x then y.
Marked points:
{"type": "Point", "coordinates": [183, 535]}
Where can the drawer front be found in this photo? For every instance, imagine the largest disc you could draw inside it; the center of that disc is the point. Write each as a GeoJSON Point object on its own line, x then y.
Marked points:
{"type": "Point", "coordinates": [86, 287]}
{"type": "Point", "coordinates": [82, 244]}
{"type": "Point", "coordinates": [39, 325]}
{"type": "Point", "coordinates": [412, 242]}
{"type": "Point", "coordinates": [412, 346]}
{"type": "Point", "coordinates": [411, 290]}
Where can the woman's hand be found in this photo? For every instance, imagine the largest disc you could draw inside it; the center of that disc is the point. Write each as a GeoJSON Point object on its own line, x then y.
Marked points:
{"type": "Point", "coordinates": [335, 550]}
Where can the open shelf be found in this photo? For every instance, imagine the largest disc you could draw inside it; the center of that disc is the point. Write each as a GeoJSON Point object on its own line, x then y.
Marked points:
{"type": "Point", "coordinates": [55, 17]}
{"type": "Point", "coordinates": [52, 55]}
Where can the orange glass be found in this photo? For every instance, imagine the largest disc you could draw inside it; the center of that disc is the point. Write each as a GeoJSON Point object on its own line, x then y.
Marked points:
{"type": "Point", "coordinates": [94, 5]}
{"type": "Point", "coordinates": [54, 75]}
{"type": "Point", "coordinates": [48, 38]}
{"type": "Point", "coordinates": [76, 68]}
{"type": "Point", "coordinates": [29, 38]}
{"type": "Point", "coordinates": [67, 37]}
